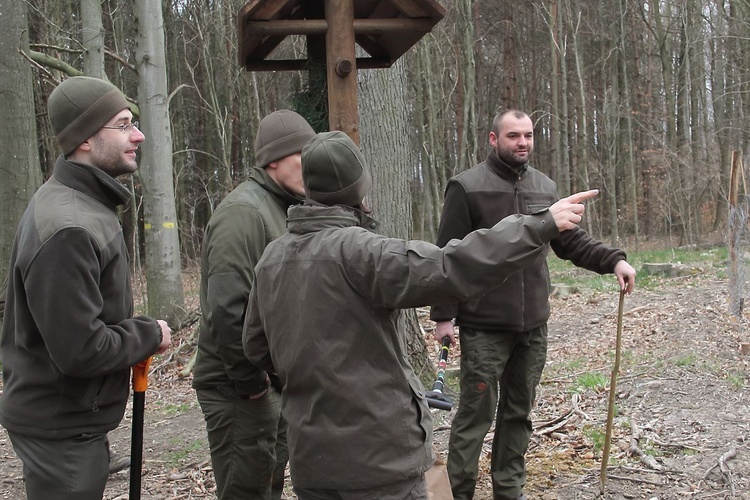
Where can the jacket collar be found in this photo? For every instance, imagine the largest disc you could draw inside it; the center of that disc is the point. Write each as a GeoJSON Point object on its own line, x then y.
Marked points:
{"type": "Point", "coordinates": [91, 181]}
{"type": "Point", "coordinates": [260, 176]}
{"type": "Point", "coordinates": [314, 216]}
{"type": "Point", "coordinates": [503, 168]}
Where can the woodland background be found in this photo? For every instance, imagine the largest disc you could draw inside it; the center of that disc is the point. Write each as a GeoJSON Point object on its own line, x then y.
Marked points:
{"type": "Point", "coordinates": [644, 100]}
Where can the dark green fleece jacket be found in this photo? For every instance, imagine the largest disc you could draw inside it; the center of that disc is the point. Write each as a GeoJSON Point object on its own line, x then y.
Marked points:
{"type": "Point", "coordinates": [69, 338]}
{"type": "Point", "coordinates": [481, 197]}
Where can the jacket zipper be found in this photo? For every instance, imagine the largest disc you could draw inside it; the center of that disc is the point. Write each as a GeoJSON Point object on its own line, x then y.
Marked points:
{"type": "Point", "coordinates": [523, 282]}
{"type": "Point", "coordinates": [95, 406]}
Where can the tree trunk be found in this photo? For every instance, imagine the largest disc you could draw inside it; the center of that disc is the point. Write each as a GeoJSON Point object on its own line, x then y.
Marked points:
{"type": "Point", "coordinates": [554, 118]}
{"type": "Point", "coordinates": [20, 172]}
{"type": "Point", "coordinates": [627, 115]}
{"type": "Point", "coordinates": [163, 265]}
{"type": "Point", "coordinates": [92, 38]}
{"type": "Point", "coordinates": [564, 187]}
{"type": "Point", "coordinates": [385, 144]}
{"type": "Point", "coordinates": [582, 172]}
{"type": "Point", "coordinates": [466, 120]}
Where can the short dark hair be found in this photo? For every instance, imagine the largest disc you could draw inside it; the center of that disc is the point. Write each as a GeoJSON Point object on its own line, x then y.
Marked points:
{"type": "Point", "coordinates": [499, 117]}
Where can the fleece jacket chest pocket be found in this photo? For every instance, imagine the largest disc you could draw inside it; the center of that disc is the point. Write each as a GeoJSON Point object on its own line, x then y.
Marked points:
{"type": "Point", "coordinates": [537, 206]}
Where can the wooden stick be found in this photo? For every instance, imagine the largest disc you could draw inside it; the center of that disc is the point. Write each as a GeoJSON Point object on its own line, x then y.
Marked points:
{"type": "Point", "coordinates": [612, 394]}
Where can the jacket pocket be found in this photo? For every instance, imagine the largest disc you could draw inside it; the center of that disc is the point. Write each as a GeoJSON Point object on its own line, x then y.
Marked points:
{"type": "Point", "coordinates": [85, 392]}
{"type": "Point", "coordinates": [424, 417]}
{"type": "Point", "coordinates": [538, 204]}
{"type": "Point", "coordinates": [95, 393]}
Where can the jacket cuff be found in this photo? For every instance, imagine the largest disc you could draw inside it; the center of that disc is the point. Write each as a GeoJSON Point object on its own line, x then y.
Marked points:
{"type": "Point", "coordinates": [545, 226]}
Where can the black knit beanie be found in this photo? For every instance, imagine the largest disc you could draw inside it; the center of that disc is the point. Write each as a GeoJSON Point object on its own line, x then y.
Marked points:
{"type": "Point", "coordinates": [80, 106]}
{"type": "Point", "coordinates": [334, 171]}
{"type": "Point", "coordinates": [281, 134]}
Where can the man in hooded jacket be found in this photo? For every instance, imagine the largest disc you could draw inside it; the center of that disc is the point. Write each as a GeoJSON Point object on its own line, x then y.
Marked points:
{"type": "Point", "coordinates": [324, 315]}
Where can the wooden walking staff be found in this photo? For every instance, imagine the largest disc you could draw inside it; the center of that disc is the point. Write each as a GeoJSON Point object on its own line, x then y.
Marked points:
{"type": "Point", "coordinates": [612, 395]}
{"type": "Point", "coordinates": [140, 384]}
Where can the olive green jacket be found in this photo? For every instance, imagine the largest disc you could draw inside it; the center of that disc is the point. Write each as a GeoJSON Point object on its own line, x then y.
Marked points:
{"type": "Point", "coordinates": [324, 313]}
{"type": "Point", "coordinates": [244, 223]}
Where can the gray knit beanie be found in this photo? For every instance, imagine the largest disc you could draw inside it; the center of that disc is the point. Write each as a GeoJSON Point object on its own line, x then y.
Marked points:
{"type": "Point", "coordinates": [334, 171]}
{"type": "Point", "coordinates": [80, 106]}
{"type": "Point", "coordinates": [281, 134]}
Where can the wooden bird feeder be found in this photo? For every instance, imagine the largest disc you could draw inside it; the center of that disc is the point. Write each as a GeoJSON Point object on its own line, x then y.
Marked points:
{"type": "Point", "coordinates": [384, 29]}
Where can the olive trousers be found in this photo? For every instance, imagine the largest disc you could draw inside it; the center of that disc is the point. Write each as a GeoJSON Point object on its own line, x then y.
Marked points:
{"type": "Point", "coordinates": [410, 489]}
{"type": "Point", "coordinates": [247, 439]}
{"type": "Point", "coordinates": [63, 469]}
{"type": "Point", "coordinates": [499, 374]}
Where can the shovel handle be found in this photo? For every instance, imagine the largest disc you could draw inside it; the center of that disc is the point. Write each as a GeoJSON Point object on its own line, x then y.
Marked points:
{"type": "Point", "coordinates": [140, 375]}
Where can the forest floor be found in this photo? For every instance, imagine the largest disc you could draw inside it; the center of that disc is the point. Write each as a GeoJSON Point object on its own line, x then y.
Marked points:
{"type": "Point", "coordinates": [682, 428]}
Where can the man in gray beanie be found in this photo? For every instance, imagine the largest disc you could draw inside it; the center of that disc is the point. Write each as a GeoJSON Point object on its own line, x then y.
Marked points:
{"type": "Point", "coordinates": [324, 315]}
{"type": "Point", "coordinates": [241, 406]}
{"type": "Point", "coordinates": [69, 336]}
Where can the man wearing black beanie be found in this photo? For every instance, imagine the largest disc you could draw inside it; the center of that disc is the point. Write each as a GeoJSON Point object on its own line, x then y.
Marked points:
{"type": "Point", "coordinates": [69, 336]}
{"type": "Point", "coordinates": [246, 433]}
{"type": "Point", "coordinates": [324, 311]}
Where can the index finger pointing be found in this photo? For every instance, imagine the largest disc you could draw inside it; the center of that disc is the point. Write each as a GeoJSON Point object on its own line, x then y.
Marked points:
{"type": "Point", "coordinates": [583, 195]}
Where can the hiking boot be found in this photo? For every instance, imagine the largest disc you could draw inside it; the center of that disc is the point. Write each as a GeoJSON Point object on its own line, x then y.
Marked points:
{"type": "Point", "coordinates": [117, 464]}
{"type": "Point", "coordinates": [519, 497]}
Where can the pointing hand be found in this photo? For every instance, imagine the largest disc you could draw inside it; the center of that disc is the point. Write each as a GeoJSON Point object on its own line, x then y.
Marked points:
{"type": "Point", "coordinates": [568, 212]}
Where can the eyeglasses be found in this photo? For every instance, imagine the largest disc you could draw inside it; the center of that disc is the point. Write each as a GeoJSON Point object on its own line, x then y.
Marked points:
{"type": "Point", "coordinates": [126, 128]}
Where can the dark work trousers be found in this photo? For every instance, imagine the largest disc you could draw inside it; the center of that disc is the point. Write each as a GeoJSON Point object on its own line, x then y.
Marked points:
{"type": "Point", "coordinates": [66, 469]}
{"type": "Point", "coordinates": [499, 374]}
{"type": "Point", "coordinates": [411, 489]}
{"type": "Point", "coordinates": [247, 439]}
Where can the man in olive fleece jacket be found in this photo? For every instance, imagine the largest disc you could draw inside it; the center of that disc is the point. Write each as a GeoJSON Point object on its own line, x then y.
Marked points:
{"type": "Point", "coordinates": [324, 313]}
{"type": "Point", "coordinates": [246, 433]}
{"type": "Point", "coordinates": [504, 333]}
{"type": "Point", "coordinates": [69, 336]}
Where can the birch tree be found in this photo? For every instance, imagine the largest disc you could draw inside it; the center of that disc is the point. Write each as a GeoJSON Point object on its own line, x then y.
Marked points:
{"type": "Point", "coordinates": [163, 263]}
{"type": "Point", "coordinates": [92, 38]}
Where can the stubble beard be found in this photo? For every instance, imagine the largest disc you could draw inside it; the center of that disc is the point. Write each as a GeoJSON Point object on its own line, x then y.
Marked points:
{"type": "Point", "coordinates": [509, 157]}
{"type": "Point", "coordinates": [109, 159]}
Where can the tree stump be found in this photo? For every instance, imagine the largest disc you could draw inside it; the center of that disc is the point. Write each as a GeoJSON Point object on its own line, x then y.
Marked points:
{"type": "Point", "coordinates": [668, 269]}
{"type": "Point", "coordinates": [563, 290]}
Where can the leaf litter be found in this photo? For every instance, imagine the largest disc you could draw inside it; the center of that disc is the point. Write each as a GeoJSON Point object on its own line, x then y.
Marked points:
{"type": "Point", "coordinates": [681, 429]}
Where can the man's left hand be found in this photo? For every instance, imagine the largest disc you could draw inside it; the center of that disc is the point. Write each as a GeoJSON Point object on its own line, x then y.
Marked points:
{"type": "Point", "coordinates": [625, 276]}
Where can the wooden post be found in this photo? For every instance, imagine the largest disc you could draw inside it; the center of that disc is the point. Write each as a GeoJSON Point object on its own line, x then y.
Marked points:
{"type": "Point", "coordinates": [341, 68]}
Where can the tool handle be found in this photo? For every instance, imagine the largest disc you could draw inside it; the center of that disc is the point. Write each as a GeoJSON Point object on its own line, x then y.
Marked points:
{"type": "Point", "coordinates": [442, 365]}
{"type": "Point", "coordinates": [140, 375]}
{"type": "Point", "coordinates": [444, 348]}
